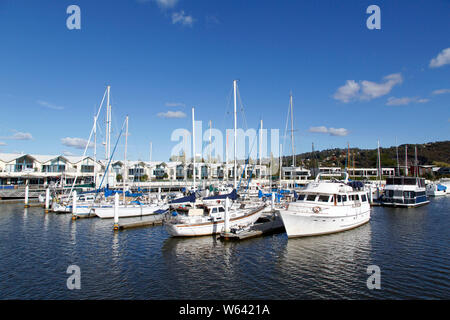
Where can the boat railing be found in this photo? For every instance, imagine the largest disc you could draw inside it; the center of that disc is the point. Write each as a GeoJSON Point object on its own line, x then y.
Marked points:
{"type": "Point", "coordinates": [325, 175]}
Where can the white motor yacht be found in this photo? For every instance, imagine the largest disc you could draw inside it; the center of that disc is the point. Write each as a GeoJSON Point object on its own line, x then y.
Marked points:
{"type": "Point", "coordinates": [326, 206]}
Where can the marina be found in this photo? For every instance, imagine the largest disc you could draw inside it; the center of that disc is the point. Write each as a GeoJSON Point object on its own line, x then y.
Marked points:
{"type": "Point", "coordinates": [222, 159]}
{"type": "Point", "coordinates": [410, 246]}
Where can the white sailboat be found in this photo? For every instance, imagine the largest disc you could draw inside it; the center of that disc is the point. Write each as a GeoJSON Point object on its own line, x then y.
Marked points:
{"type": "Point", "coordinates": [201, 218]}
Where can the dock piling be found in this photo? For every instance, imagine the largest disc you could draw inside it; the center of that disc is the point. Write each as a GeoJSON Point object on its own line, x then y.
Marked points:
{"type": "Point", "coordinates": [116, 211]}
{"type": "Point", "coordinates": [74, 205]}
{"type": "Point", "coordinates": [47, 200]}
{"type": "Point", "coordinates": [26, 205]}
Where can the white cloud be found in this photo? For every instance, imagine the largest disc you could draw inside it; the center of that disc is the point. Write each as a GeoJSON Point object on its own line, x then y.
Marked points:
{"type": "Point", "coordinates": [68, 153]}
{"type": "Point", "coordinates": [392, 101]}
{"type": "Point", "coordinates": [338, 132]}
{"type": "Point", "coordinates": [77, 143]}
{"type": "Point", "coordinates": [166, 3]}
{"type": "Point", "coordinates": [172, 114]}
{"type": "Point", "coordinates": [2, 143]}
{"type": "Point", "coordinates": [175, 104]}
{"type": "Point", "coordinates": [49, 105]}
{"type": "Point", "coordinates": [182, 18]}
{"type": "Point", "coordinates": [442, 59]}
{"type": "Point", "coordinates": [321, 129]}
{"type": "Point", "coordinates": [19, 136]}
{"type": "Point", "coordinates": [347, 92]}
{"type": "Point", "coordinates": [369, 89]}
{"type": "Point", "coordinates": [372, 90]}
{"type": "Point", "coordinates": [441, 91]}
{"type": "Point", "coordinates": [332, 131]}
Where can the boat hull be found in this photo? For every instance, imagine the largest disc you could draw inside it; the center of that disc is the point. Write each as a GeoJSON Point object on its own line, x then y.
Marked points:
{"type": "Point", "coordinates": [305, 225]}
{"type": "Point", "coordinates": [210, 228]}
{"type": "Point", "coordinates": [129, 211]}
{"type": "Point", "coordinates": [405, 205]}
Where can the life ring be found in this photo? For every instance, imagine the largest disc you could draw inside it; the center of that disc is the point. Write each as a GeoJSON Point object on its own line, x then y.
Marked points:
{"type": "Point", "coordinates": [316, 209]}
{"type": "Point", "coordinates": [264, 199]}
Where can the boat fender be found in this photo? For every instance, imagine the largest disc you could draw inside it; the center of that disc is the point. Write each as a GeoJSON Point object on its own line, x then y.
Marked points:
{"type": "Point", "coordinates": [316, 209]}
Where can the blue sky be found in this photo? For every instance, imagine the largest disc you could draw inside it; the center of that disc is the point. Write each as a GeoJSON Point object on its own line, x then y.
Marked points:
{"type": "Point", "coordinates": [350, 84]}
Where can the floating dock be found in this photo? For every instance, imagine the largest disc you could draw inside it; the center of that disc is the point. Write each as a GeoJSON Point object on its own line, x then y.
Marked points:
{"type": "Point", "coordinates": [264, 226]}
{"type": "Point", "coordinates": [150, 221]}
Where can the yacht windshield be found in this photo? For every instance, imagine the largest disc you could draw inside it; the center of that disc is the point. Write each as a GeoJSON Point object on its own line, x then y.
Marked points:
{"type": "Point", "coordinates": [324, 198]}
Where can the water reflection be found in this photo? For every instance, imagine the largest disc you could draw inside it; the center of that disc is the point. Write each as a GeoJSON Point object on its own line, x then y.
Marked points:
{"type": "Point", "coordinates": [323, 266]}
{"type": "Point", "coordinates": [25, 215]}
{"type": "Point", "coordinates": [73, 232]}
{"type": "Point", "coordinates": [410, 246]}
{"type": "Point", "coordinates": [115, 247]}
{"type": "Point", "coordinates": [46, 221]}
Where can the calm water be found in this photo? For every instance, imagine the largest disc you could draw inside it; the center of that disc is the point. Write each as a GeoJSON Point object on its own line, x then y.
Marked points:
{"type": "Point", "coordinates": [411, 247]}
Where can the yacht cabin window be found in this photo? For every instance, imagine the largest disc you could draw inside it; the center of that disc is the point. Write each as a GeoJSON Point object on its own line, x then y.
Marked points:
{"type": "Point", "coordinates": [311, 197]}
{"type": "Point", "coordinates": [324, 198]}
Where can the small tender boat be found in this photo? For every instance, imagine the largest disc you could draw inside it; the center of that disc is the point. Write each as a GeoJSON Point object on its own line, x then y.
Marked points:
{"type": "Point", "coordinates": [436, 190]}
{"type": "Point", "coordinates": [326, 206]}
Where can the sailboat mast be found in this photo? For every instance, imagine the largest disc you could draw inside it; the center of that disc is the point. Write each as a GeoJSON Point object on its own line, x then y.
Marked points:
{"type": "Point", "coordinates": [406, 160]}
{"type": "Point", "coordinates": [416, 167]}
{"type": "Point", "coordinates": [396, 151]}
{"type": "Point", "coordinates": [95, 152]}
{"type": "Point", "coordinates": [292, 129]}
{"type": "Point", "coordinates": [314, 160]}
{"type": "Point", "coordinates": [108, 132]}
{"type": "Point", "coordinates": [125, 173]}
{"type": "Point", "coordinates": [379, 162]}
{"type": "Point", "coordinates": [210, 153]}
{"type": "Point", "coordinates": [281, 162]}
{"type": "Point", "coordinates": [260, 149]}
{"type": "Point", "coordinates": [193, 145]}
{"type": "Point", "coordinates": [226, 160]}
{"type": "Point", "coordinates": [235, 134]}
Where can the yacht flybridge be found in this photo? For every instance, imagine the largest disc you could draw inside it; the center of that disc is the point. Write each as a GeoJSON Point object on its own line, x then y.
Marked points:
{"type": "Point", "coordinates": [326, 206]}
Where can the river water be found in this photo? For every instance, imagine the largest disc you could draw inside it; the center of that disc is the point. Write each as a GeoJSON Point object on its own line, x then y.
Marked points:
{"type": "Point", "coordinates": [410, 246]}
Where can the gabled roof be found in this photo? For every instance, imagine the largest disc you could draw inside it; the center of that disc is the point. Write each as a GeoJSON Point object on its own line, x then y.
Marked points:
{"type": "Point", "coordinates": [8, 157]}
